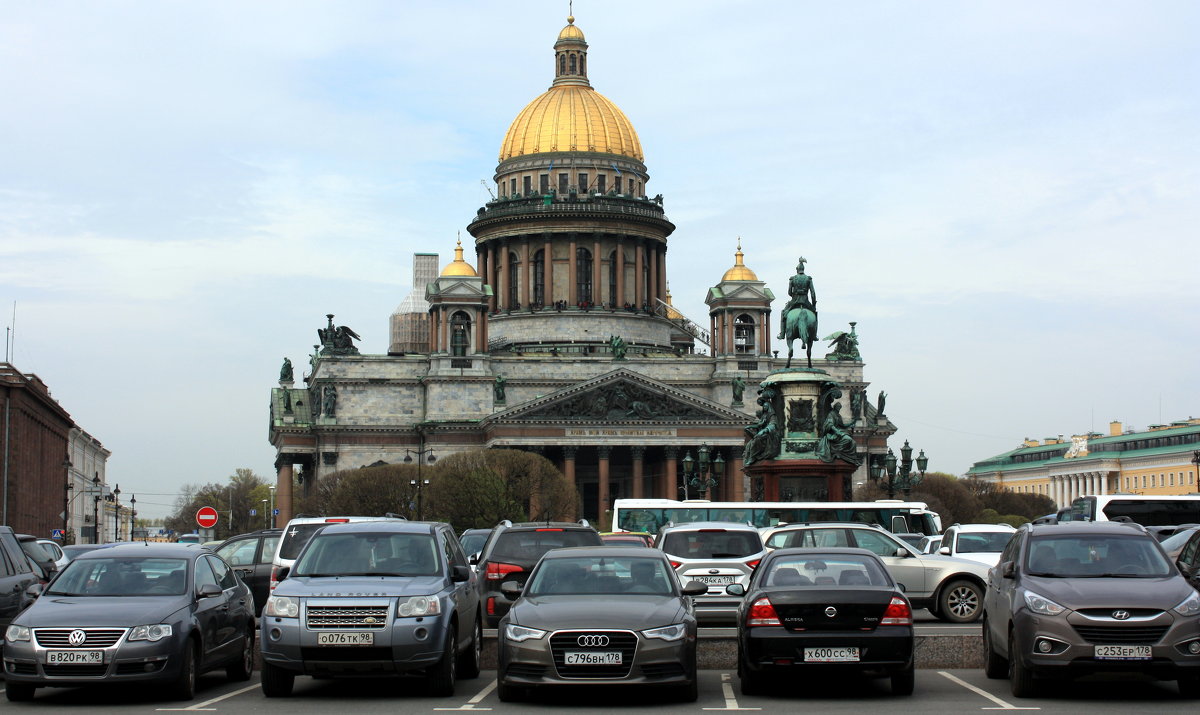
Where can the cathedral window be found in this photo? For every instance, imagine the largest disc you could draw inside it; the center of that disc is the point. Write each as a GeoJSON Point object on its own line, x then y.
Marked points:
{"type": "Point", "coordinates": [583, 274]}
{"type": "Point", "coordinates": [617, 184]}
{"type": "Point", "coordinates": [513, 190]}
{"type": "Point", "coordinates": [612, 280]}
{"type": "Point", "coordinates": [743, 334]}
{"type": "Point", "coordinates": [582, 64]}
{"type": "Point", "coordinates": [539, 277]}
{"type": "Point", "coordinates": [544, 186]}
{"type": "Point", "coordinates": [460, 333]}
{"type": "Point", "coordinates": [583, 182]}
{"type": "Point", "coordinates": [563, 180]}
{"type": "Point", "coordinates": [514, 270]}
{"type": "Point", "coordinates": [572, 64]}
{"type": "Point", "coordinates": [528, 185]}
{"type": "Point", "coordinates": [601, 183]}
{"type": "Point", "coordinates": [562, 64]}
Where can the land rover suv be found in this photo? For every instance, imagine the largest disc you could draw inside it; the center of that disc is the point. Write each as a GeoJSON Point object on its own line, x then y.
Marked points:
{"type": "Point", "coordinates": [374, 598]}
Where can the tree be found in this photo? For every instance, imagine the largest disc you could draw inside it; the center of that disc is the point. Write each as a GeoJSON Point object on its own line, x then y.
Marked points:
{"type": "Point", "coordinates": [233, 501]}
{"type": "Point", "coordinates": [369, 491]}
{"type": "Point", "coordinates": [949, 497]}
{"type": "Point", "coordinates": [1015, 505]}
{"type": "Point", "coordinates": [480, 488]}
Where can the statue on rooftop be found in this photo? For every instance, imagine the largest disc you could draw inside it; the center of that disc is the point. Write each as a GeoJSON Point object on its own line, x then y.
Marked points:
{"type": "Point", "coordinates": [285, 372]}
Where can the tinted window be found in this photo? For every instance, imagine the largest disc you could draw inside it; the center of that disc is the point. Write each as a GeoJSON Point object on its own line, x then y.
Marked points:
{"type": "Point", "coordinates": [601, 575]}
{"type": "Point", "coordinates": [711, 544]}
{"type": "Point", "coordinates": [1155, 513]}
{"type": "Point", "coordinates": [36, 550]}
{"type": "Point", "coordinates": [376, 554]}
{"type": "Point", "coordinates": [982, 543]}
{"type": "Point", "coordinates": [877, 544]}
{"type": "Point", "coordinates": [825, 570]}
{"type": "Point", "coordinates": [269, 543]}
{"type": "Point", "coordinates": [239, 553]}
{"type": "Point", "coordinates": [296, 537]}
{"type": "Point", "coordinates": [205, 575]}
{"type": "Point", "coordinates": [5, 566]}
{"type": "Point", "coordinates": [811, 538]}
{"type": "Point", "coordinates": [473, 543]}
{"type": "Point", "coordinates": [1095, 555]}
{"type": "Point", "coordinates": [128, 576]}
{"type": "Point", "coordinates": [528, 546]}
{"type": "Point", "coordinates": [224, 576]}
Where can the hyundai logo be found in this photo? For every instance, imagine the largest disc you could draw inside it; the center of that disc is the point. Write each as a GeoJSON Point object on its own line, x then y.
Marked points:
{"type": "Point", "coordinates": [590, 641]}
{"type": "Point", "coordinates": [830, 611]}
{"type": "Point", "coordinates": [77, 637]}
{"type": "Point", "coordinates": [1120, 615]}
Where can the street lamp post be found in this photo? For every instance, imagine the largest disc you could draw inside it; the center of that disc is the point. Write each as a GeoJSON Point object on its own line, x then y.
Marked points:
{"type": "Point", "coordinates": [899, 472]}
{"type": "Point", "coordinates": [116, 500]}
{"type": "Point", "coordinates": [67, 487]}
{"type": "Point", "coordinates": [96, 531]}
{"type": "Point", "coordinates": [418, 482]}
{"type": "Point", "coordinates": [132, 515]}
{"type": "Point", "coordinates": [1196, 461]}
{"type": "Point", "coordinates": [700, 474]}
{"type": "Point", "coordinates": [271, 521]}
{"type": "Point", "coordinates": [265, 514]}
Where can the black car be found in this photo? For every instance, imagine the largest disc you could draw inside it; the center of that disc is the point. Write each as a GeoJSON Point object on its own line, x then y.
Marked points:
{"type": "Point", "coordinates": [37, 552]}
{"type": "Point", "coordinates": [814, 610]}
{"type": "Point", "coordinates": [160, 613]}
{"type": "Point", "coordinates": [513, 550]}
{"type": "Point", "coordinates": [16, 576]}
{"type": "Point", "coordinates": [473, 540]}
{"type": "Point", "coordinates": [251, 555]}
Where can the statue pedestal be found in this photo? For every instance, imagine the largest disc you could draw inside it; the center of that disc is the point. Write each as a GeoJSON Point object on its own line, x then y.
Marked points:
{"type": "Point", "coordinates": [286, 384]}
{"type": "Point", "coordinates": [801, 480]}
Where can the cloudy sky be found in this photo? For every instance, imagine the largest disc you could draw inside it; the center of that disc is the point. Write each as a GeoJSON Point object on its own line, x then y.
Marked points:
{"type": "Point", "coordinates": [1002, 194]}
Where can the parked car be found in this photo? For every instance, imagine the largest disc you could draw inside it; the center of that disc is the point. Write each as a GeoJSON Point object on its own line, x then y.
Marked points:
{"type": "Point", "coordinates": [627, 538]}
{"type": "Point", "coordinates": [1164, 532]}
{"type": "Point", "coordinates": [298, 531]}
{"type": "Point", "coordinates": [599, 616]}
{"type": "Point", "coordinates": [512, 552]}
{"type": "Point", "coordinates": [976, 542]}
{"type": "Point", "coordinates": [144, 613]}
{"type": "Point", "coordinates": [74, 550]}
{"type": "Point", "coordinates": [952, 589]}
{"type": "Point", "coordinates": [814, 611]}
{"type": "Point", "coordinates": [930, 544]}
{"type": "Point", "coordinates": [1187, 556]}
{"type": "Point", "coordinates": [251, 556]}
{"type": "Point", "coordinates": [374, 598]}
{"type": "Point", "coordinates": [913, 540]}
{"type": "Point", "coordinates": [472, 541]}
{"type": "Point", "coordinates": [1175, 543]}
{"type": "Point", "coordinates": [52, 547]}
{"type": "Point", "coordinates": [716, 554]}
{"type": "Point", "coordinates": [1083, 598]}
{"type": "Point", "coordinates": [16, 576]}
{"type": "Point", "coordinates": [44, 559]}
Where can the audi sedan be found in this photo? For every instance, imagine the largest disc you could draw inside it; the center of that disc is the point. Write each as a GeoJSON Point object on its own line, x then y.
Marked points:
{"type": "Point", "coordinates": [597, 616]}
{"type": "Point", "coordinates": [161, 613]}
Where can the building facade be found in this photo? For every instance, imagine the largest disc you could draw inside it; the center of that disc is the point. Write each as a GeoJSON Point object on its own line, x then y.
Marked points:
{"type": "Point", "coordinates": [560, 338]}
{"type": "Point", "coordinates": [34, 433]}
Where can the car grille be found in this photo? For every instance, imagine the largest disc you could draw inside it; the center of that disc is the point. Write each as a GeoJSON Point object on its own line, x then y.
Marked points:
{"type": "Point", "coordinates": [355, 617]}
{"type": "Point", "coordinates": [346, 654]}
{"type": "Point", "coordinates": [526, 670]}
{"type": "Point", "coordinates": [1116, 634]}
{"type": "Point", "coordinates": [1106, 613]}
{"type": "Point", "coordinates": [624, 641]}
{"type": "Point", "coordinates": [662, 670]}
{"type": "Point", "coordinates": [61, 637]}
{"type": "Point", "coordinates": [75, 671]}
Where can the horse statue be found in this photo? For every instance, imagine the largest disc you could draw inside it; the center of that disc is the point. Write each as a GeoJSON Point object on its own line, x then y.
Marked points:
{"type": "Point", "coordinates": [800, 324]}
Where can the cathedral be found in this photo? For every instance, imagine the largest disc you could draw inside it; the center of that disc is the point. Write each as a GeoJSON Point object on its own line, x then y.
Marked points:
{"type": "Point", "coordinates": [559, 337]}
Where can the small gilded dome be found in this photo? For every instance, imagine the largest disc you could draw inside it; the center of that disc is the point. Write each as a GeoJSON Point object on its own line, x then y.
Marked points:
{"type": "Point", "coordinates": [570, 32]}
{"type": "Point", "coordinates": [739, 272]}
{"type": "Point", "coordinates": [459, 267]}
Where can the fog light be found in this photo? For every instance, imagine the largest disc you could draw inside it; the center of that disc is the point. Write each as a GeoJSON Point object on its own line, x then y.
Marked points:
{"type": "Point", "coordinates": [1045, 646]}
{"type": "Point", "coordinates": [276, 634]}
{"type": "Point", "coordinates": [420, 634]}
{"type": "Point", "coordinates": [1194, 647]}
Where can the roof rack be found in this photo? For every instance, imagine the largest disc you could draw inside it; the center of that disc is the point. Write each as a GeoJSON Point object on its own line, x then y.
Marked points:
{"type": "Point", "coordinates": [505, 522]}
{"type": "Point", "coordinates": [584, 522]}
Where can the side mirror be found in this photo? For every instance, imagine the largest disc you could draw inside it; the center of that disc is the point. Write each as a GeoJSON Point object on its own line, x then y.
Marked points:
{"type": "Point", "coordinates": [944, 551]}
{"type": "Point", "coordinates": [902, 552]}
{"type": "Point", "coordinates": [901, 587]}
{"type": "Point", "coordinates": [733, 589]}
{"type": "Point", "coordinates": [283, 573]}
{"type": "Point", "coordinates": [34, 590]}
{"type": "Point", "coordinates": [512, 589]}
{"type": "Point", "coordinates": [1008, 569]}
{"type": "Point", "coordinates": [458, 574]}
{"type": "Point", "coordinates": [210, 590]}
{"type": "Point", "coordinates": [473, 559]}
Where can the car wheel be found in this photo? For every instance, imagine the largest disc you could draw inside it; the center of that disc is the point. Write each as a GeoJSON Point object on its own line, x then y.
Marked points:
{"type": "Point", "coordinates": [960, 602]}
{"type": "Point", "coordinates": [468, 662]}
{"type": "Point", "coordinates": [440, 681]}
{"type": "Point", "coordinates": [994, 666]}
{"type": "Point", "coordinates": [751, 683]}
{"type": "Point", "coordinates": [244, 667]}
{"type": "Point", "coordinates": [903, 681]}
{"type": "Point", "coordinates": [184, 687]}
{"type": "Point", "coordinates": [689, 692]}
{"type": "Point", "coordinates": [277, 682]}
{"type": "Point", "coordinates": [509, 693]}
{"type": "Point", "coordinates": [22, 692]}
{"type": "Point", "coordinates": [1020, 676]}
{"type": "Point", "coordinates": [1189, 687]}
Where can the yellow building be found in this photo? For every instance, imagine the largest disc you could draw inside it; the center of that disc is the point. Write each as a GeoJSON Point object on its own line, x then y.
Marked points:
{"type": "Point", "coordinates": [1161, 461]}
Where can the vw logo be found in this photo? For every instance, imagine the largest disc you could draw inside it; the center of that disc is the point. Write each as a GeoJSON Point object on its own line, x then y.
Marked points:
{"type": "Point", "coordinates": [830, 611]}
{"type": "Point", "coordinates": [1120, 615]}
{"type": "Point", "coordinates": [77, 637]}
{"type": "Point", "coordinates": [598, 641]}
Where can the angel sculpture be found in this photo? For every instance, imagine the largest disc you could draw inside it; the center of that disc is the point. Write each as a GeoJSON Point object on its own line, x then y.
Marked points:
{"type": "Point", "coordinates": [337, 339]}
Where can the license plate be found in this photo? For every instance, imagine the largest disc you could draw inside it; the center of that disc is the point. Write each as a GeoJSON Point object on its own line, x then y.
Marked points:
{"type": "Point", "coordinates": [1123, 652]}
{"type": "Point", "coordinates": [715, 580]}
{"type": "Point", "coordinates": [62, 657]}
{"type": "Point", "coordinates": [345, 639]}
{"type": "Point", "coordinates": [599, 657]}
{"type": "Point", "coordinates": [831, 655]}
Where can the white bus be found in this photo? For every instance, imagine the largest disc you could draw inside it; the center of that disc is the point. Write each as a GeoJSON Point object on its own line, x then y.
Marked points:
{"type": "Point", "coordinates": [650, 515]}
{"type": "Point", "coordinates": [1138, 508]}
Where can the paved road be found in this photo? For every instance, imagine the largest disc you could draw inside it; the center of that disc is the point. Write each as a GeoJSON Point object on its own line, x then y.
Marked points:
{"type": "Point", "coordinates": [938, 692]}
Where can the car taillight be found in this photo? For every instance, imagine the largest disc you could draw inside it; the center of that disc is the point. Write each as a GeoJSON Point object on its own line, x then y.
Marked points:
{"type": "Point", "coordinates": [497, 571]}
{"type": "Point", "coordinates": [274, 580]}
{"type": "Point", "coordinates": [762, 613]}
{"type": "Point", "coordinates": [676, 564]}
{"type": "Point", "coordinates": [753, 563]}
{"type": "Point", "coordinates": [337, 521]}
{"type": "Point", "coordinates": [491, 605]}
{"type": "Point", "coordinates": [547, 529]}
{"type": "Point", "coordinates": [898, 613]}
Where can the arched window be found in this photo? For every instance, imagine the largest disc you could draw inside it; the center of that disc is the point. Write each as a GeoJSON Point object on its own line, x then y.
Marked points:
{"type": "Point", "coordinates": [583, 274]}
{"type": "Point", "coordinates": [572, 64]}
{"type": "Point", "coordinates": [612, 280]}
{"type": "Point", "coordinates": [743, 334]}
{"type": "Point", "coordinates": [514, 270]}
{"type": "Point", "coordinates": [583, 64]}
{"type": "Point", "coordinates": [460, 333]}
{"type": "Point", "coordinates": [562, 64]}
{"type": "Point", "coordinates": [539, 277]}
{"type": "Point", "coordinates": [645, 281]}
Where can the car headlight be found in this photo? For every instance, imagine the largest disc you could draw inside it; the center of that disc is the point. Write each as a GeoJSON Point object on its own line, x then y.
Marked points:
{"type": "Point", "coordinates": [1042, 605]}
{"type": "Point", "coordinates": [667, 633]}
{"type": "Point", "coordinates": [1190, 606]}
{"type": "Point", "coordinates": [154, 632]}
{"type": "Point", "coordinates": [517, 633]}
{"type": "Point", "coordinates": [282, 607]}
{"type": "Point", "coordinates": [419, 606]}
{"type": "Point", "coordinates": [16, 633]}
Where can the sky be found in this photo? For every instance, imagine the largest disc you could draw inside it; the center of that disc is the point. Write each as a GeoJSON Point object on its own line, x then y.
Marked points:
{"type": "Point", "coordinates": [1002, 195]}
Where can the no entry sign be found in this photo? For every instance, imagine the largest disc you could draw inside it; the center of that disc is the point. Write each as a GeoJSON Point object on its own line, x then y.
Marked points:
{"type": "Point", "coordinates": [206, 517]}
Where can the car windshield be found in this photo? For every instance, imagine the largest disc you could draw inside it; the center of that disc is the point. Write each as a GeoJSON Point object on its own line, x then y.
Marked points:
{"type": "Point", "coordinates": [1096, 556]}
{"type": "Point", "coordinates": [36, 550]}
{"type": "Point", "coordinates": [528, 546]}
{"type": "Point", "coordinates": [618, 540]}
{"type": "Point", "coordinates": [473, 543]}
{"type": "Point", "coordinates": [711, 544]}
{"type": "Point", "coordinates": [128, 576]}
{"type": "Point", "coordinates": [825, 570]}
{"type": "Point", "coordinates": [601, 575]}
{"type": "Point", "coordinates": [369, 554]}
{"type": "Point", "coordinates": [983, 543]}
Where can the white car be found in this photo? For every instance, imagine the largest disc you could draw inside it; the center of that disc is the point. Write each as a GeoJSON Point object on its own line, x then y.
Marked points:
{"type": "Point", "coordinates": [52, 548]}
{"type": "Point", "coordinates": [978, 542]}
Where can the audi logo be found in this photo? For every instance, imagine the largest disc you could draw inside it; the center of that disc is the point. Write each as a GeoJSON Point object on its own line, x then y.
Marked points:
{"type": "Point", "coordinates": [77, 637]}
{"type": "Point", "coordinates": [590, 641]}
{"type": "Point", "coordinates": [1120, 615]}
{"type": "Point", "coordinates": [830, 611]}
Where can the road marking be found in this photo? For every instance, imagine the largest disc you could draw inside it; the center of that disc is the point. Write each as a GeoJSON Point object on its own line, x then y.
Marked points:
{"type": "Point", "coordinates": [476, 700]}
{"type": "Point", "coordinates": [979, 691]}
{"type": "Point", "coordinates": [204, 705]}
{"type": "Point", "coordinates": [731, 702]}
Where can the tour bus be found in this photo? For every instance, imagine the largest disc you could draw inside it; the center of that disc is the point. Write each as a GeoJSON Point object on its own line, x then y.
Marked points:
{"type": "Point", "coordinates": [650, 515]}
{"type": "Point", "coordinates": [1138, 508]}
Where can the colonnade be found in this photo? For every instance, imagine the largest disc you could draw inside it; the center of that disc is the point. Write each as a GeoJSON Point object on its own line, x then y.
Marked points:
{"type": "Point", "coordinates": [1065, 488]}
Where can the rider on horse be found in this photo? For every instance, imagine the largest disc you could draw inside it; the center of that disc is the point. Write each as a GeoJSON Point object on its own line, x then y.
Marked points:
{"type": "Point", "coordinates": [802, 295]}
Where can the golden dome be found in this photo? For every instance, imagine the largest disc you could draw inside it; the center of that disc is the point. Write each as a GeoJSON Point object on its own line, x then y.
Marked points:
{"type": "Point", "coordinates": [739, 272]}
{"type": "Point", "coordinates": [570, 32]}
{"type": "Point", "coordinates": [459, 267]}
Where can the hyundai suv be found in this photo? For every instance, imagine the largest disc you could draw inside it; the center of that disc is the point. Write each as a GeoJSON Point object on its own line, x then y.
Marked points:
{"type": "Point", "coordinates": [716, 554]}
{"type": "Point", "coordinates": [514, 549]}
{"type": "Point", "coordinates": [1082, 598]}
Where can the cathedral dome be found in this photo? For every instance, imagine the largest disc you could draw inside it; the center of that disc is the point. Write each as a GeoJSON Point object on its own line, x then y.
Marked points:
{"type": "Point", "coordinates": [459, 267]}
{"type": "Point", "coordinates": [739, 272]}
{"type": "Point", "coordinates": [571, 116]}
